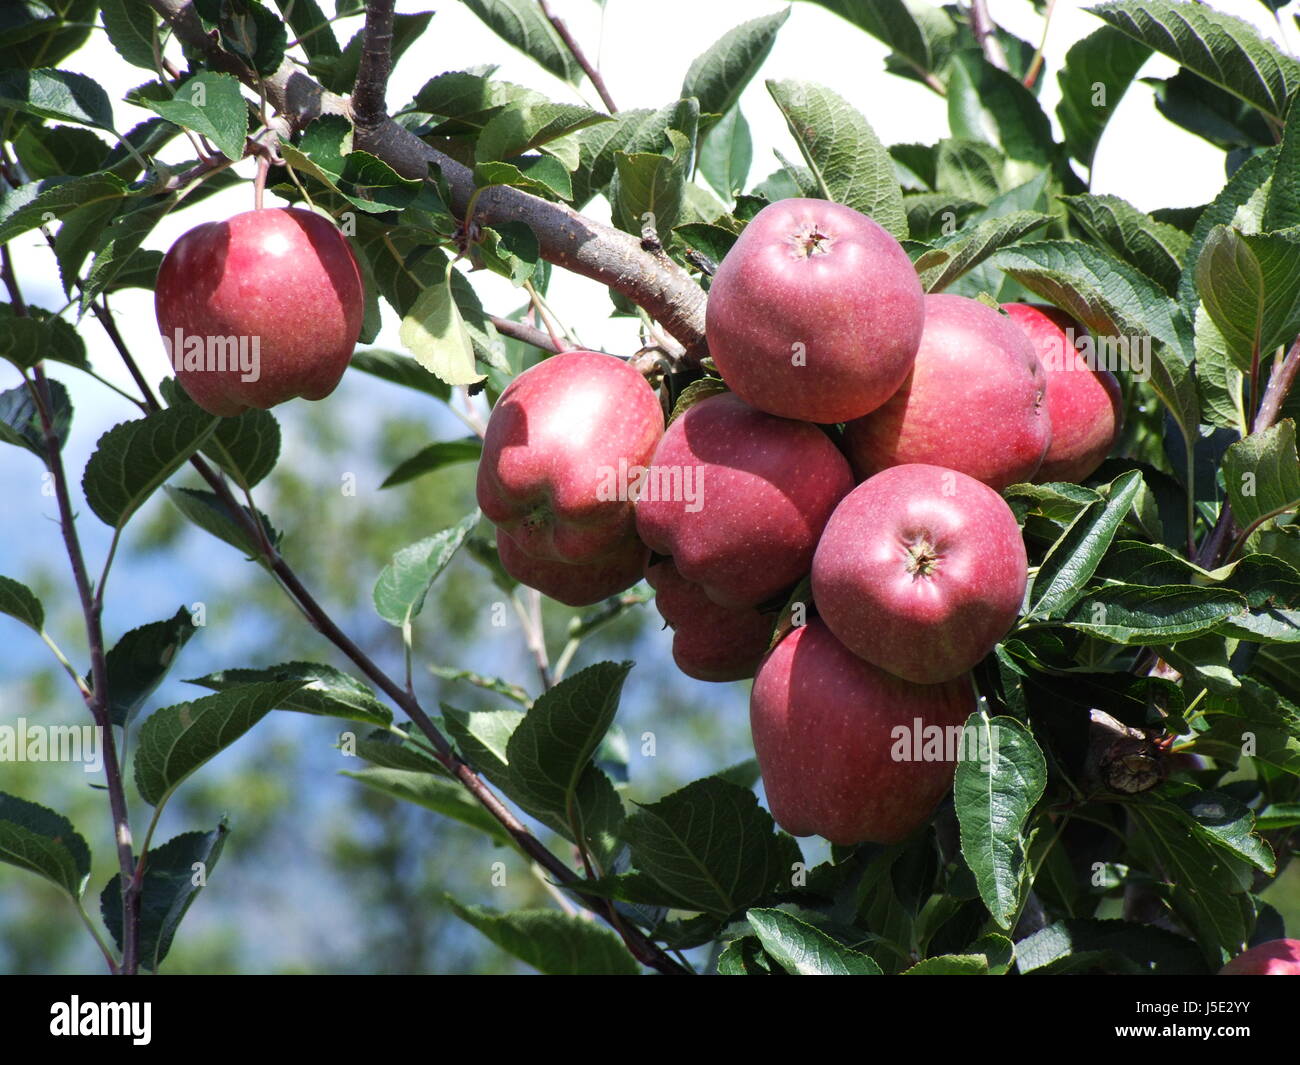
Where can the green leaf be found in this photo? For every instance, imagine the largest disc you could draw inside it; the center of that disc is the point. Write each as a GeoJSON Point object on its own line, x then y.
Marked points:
{"type": "Point", "coordinates": [1250, 286]}
{"type": "Point", "coordinates": [950, 965]}
{"type": "Point", "coordinates": [247, 446]}
{"type": "Point", "coordinates": [1072, 560]}
{"type": "Point", "coordinates": [311, 29]}
{"type": "Point", "coordinates": [712, 846]}
{"type": "Point", "coordinates": [324, 691]}
{"type": "Point", "coordinates": [20, 421]}
{"type": "Point", "coordinates": [401, 370]}
{"type": "Point", "coordinates": [1146, 616]}
{"type": "Point", "coordinates": [726, 154]}
{"type": "Point", "coordinates": [116, 244]}
{"type": "Point", "coordinates": [176, 740]}
{"type": "Point", "coordinates": [718, 76]}
{"type": "Point", "coordinates": [842, 149]}
{"type": "Point", "coordinates": [1207, 882]}
{"type": "Point", "coordinates": [434, 332]}
{"type": "Point", "coordinates": [1221, 48]}
{"type": "Point", "coordinates": [540, 174]}
{"type": "Point", "coordinates": [18, 601]}
{"type": "Point", "coordinates": [482, 737]}
{"type": "Point", "coordinates": [648, 183]}
{"type": "Point", "coordinates": [1241, 204]}
{"type": "Point", "coordinates": [803, 950]}
{"type": "Point", "coordinates": [1262, 474]}
{"type": "Point", "coordinates": [745, 957]}
{"type": "Point", "coordinates": [920, 36]}
{"type": "Point", "coordinates": [43, 842]}
{"type": "Point", "coordinates": [41, 202]}
{"type": "Point", "coordinates": [521, 23]}
{"type": "Point", "coordinates": [248, 30]}
{"type": "Point", "coordinates": [212, 105]}
{"type": "Point", "coordinates": [56, 151]}
{"type": "Point", "coordinates": [140, 660]}
{"type": "Point", "coordinates": [553, 746]}
{"type": "Point", "coordinates": [465, 102]}
{"type": "Point", "coordinates": [521, 127]}
{"type": "Point", "coordinates": [167, 890]}
{"type": "Point", "coordinates": [403, 584]}
{"type": "Point", "coordinates": [1134, 947]}
{"type": "Point", "coordinates": [971, 170]}
{"type": "Point", "coordinates": [1282, 208]}
{"type": "Point", "coordinates": [212, 515]}
{"type": "Point", "coordinates": [134, 458]}
{"type": "Point", "coordinates": [988, 104]}
{"type": "Point", "coordinates": [445, 797]}
{"type": "Point", "coordinates": [970, 247]}
{"type": "Point", "coordinates": [1222, 821]}
{"type": "Point", "coordinates": [1154, 248]}
{"type": "Point", "coordinates": [435, 457]}
{"type": "Point", "coordinates": [554, 943]}
{"type": "Point", "coordinates": [1094, 78]}
{"type": "Point", "coordinates": [62, 95]}
{"type": "Point", "coordinates": [993, 801]}
{"type": "Point", "coordinates": [632, 132]}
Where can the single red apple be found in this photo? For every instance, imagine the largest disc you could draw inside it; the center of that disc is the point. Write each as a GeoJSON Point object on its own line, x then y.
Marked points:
{"type": "Point", "coordinates": [815, 313]}
{"type": "Point", "coordinates": [259, 309]}
{"type": "Point", "coordinates": [710, 642]}
{"type": "Point", "coordinates": [561, 454]}
{"type": "Point", "coordinates": [575, 583]}
{"type": "Point", "coordinates": [1085, 405]}
{"type": "Point", "coordinates": [1278, 957]}
{"type": "Point", "coordinates": [848, 751]}
{"type": "Point", "coordinates": [921, 570]}
{"type": "Point", "coordinates": [738, 498]}
{"type": "Point", "coordinates": [973, 402]}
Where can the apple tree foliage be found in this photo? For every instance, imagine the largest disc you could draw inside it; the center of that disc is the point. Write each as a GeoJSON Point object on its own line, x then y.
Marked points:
{"type": "Point", "coordinates": [1147, 703]}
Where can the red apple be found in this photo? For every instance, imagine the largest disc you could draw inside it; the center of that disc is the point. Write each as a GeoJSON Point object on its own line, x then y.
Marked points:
{"type": "Point", "coordinates": [571, 583]}
{"type": "Point", "coordinates": [921, 570]}
{"type": "Point", "coordinates": [1085, 406]}
{"type": "Point", "coordinates": [1278, 957]}
{"type": "Point", "coordinates": [973, 402]}
{"type": "Point", "coordinates": [848, 751]}
{"type": "Point", "coordinates": [710, 642]}
{"type": "Point", "coordinates": [738, 498]}
{"type": "Point", "coordinates": [260, 308]}
{"type": "Point", "coordinates": [561, 452]}
{"type": "Point", "coordinates": [815, 313]}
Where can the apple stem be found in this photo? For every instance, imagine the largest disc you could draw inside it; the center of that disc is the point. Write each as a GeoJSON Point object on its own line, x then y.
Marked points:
{"type": "Point", "coordinates": [259, 182]}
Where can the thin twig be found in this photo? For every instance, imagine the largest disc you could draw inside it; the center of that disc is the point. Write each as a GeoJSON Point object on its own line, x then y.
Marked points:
{"type": "Point", "coordinates": [97, 699]}
{"type": "Point", "coordinates": [985, 31]}
{"type": "Point", "coordinates": [643, 949]}
{"type": "Point", "coordinates": [1036, 64]}
{"type": "Point", "coordinates": [575, 50]}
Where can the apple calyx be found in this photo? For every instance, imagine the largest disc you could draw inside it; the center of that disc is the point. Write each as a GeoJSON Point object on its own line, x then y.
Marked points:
{"type": "Point", "coordinates": [811, 241]}
{"type": "Point", "coordinates": [922, 559]}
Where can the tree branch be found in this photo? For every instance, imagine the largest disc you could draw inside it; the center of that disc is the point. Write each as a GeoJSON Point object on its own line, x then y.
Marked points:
{"type": "Point", "coordinates": [985, 31]}
{"type": "Point", "coordinates": [565, 238]}
{"type": "Point", "coordinates": [575, 50]}
{"type": "Point", "coordinates": [369, 109]}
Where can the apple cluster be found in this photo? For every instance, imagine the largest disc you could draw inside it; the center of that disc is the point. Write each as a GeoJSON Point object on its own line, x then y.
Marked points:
{"type": "Point", "coordinates": [860, 435]}
{"type": "Point", "coordinates": [864, 434]}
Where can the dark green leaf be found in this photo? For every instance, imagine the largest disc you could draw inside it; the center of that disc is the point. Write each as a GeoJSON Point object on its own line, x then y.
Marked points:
{"type": "Point", "coordinates": [43, 842]}
{"type": "Point", "coordinates": [176, 740]}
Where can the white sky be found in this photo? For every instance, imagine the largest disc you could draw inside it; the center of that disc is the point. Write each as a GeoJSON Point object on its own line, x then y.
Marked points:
{"type": "Point", "coordinates": [644, 56]}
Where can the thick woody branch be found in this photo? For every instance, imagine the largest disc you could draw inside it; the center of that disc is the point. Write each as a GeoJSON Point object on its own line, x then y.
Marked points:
{"type": "Point", "coordinates": [369, 108]}
{"type": "Point", "coordinates": [567, 239]}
